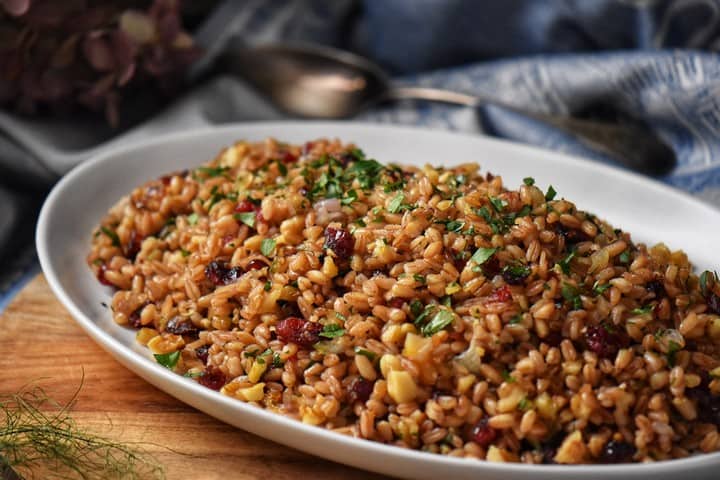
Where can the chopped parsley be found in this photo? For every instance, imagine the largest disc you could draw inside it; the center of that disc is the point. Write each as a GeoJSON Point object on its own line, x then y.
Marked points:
{"type": "Point", "coordinates": [707, 280]}
{"type": "Point", "coordinates": [643, 310]}
{"type": "Point", "coordinates": [571, 294]}
{"type": "Point", "coordinates": [515, 319]}
{"type": "Point", "coordinates": [211, 172]}
{"type": "Point", "coordinates": [168, 360]}
{"type": "Point", "coordinates": [624, 257]}
{"type": "Point", "coordinates": [550, 195]}
{"type": "Point", "coordinates": [516, 270]}
{"type": "Point", "coordinates": [332, 330]}
{"type": "Point", "coordinates": [366, 353]}
{"type": "Point", "coordinates": [420, 319]}
{"type": "Point", "coordinates": [455, 226]}
{"type": "Point", "coordinates": [267, 246]}
{"type": "Point", "coordinates": [193, 218]}
{"type": "Point", "coordinates": [673, 348]}
{"type": "Point", "coordinates": [248, 218]}
{"type": "Point", "coordinates": [524, 211]}
{"type": "Point", "coordinates": [419, 278]}
{"type": "Point", "coordinates": [498, 204]}
{"type": "Point", "coordinates": [482, 255]}
{"type": "Point", "coordinates": [184, 252]}
{"type": "Point", "coordinates": [416, 307]}
{"type": "Point", "coordinates": [600, 289]}
{"type": "Point", "coordinates": [501, 223]}
{"type": "Point", "coordinates": [252, 353]}
{"type": "Point", "coordinates": [507, 377]}
{"type": "Point", "coordinates": [350, 197]}
{"type": "Point", "coordinates": [441, 319]}
{"type": "Point", "coordinates": [529, 181]}
{"type": "Point", "coordinates": [366, 172]}
{"type": "Point", "coordinates": [113, 236]}
{"type": "Point", "coordinates": [260, 356]}
{"type": "Point", "coordinates": [268, 286]}
{"type": "Point", "coordinates": [193, 374]}
{"type": "Point", "coordinates": [524, 404]}
{"type": "Point", "coordinates": [565, 262]}
{"type": "Point", "coordinates": [396, 205]}
{"type": "Point", "coordinates": [393, 186]}
{"type": "Point", "coordinates": [340, 316]}
{"type": "Point", "coordinates": [277, 360]}
{"type": "Point", "coordinates": [327, 185]}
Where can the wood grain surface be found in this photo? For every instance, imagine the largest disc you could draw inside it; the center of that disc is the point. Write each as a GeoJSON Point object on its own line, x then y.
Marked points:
{"type": "Point", "coordinates": [40, 342]}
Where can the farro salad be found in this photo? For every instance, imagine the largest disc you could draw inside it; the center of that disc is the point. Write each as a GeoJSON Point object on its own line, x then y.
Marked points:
{"type": "Point", "coordinates": [430, 308]}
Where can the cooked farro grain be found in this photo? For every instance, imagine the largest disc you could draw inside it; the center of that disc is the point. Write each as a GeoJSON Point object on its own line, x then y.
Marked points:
{"type": "Point", "coordinates": [429, 307]}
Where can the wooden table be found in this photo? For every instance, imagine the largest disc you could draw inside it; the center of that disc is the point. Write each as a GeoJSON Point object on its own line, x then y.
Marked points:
{"type": "Point", "coordinates": [39, 341]}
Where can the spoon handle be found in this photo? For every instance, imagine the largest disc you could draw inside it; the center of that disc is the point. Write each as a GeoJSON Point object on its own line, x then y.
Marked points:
{"type": "Point", "coordinates": [432, 95]}
{"type": "Point", "coordinates": [631, 144]}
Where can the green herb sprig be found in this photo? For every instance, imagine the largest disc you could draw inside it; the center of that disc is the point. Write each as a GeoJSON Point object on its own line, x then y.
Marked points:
{"type": "Point", "coordinates": [38, 434]}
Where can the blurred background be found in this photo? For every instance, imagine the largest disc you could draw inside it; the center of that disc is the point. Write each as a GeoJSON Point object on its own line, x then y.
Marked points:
{"type": "Point", "coordinates": [78, 77]}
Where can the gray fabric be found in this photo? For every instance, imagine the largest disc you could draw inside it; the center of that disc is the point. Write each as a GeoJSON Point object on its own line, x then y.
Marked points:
{"type": "Point", "coordinates": [63, 145]}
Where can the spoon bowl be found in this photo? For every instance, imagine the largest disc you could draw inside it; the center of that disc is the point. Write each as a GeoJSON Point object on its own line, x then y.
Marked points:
{"type": "Point", "coordinates": [312, 81]}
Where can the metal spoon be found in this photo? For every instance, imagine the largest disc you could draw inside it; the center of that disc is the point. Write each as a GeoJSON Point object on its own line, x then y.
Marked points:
{"type": "Point", "coordinates": [320, 82]}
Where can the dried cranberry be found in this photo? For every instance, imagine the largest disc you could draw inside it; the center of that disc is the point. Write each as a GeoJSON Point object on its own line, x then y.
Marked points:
{"type": "Point", "coordinates": [396, 302]}
{"type": "Point", "coordinates": [656, 287]}
{"type": "Point", "coordinates": [571, 235]}
{"type": "Point", "coordinates": [134, 317]}
{"type": "Point", "coordinates": [244, 206]}
{"type": "Point", "coordinates": [133, 246]}
{"type": "Point", "coordinates": [707, 404]}
{"type": "Point", "coordinates": [502, 294]}
{"type": "Point", "coordinates": [549, 447]}
{"type": "Point", "coordinates": [213, 378]}
{"type": "Point", "coordinates": [307, 147]}
{"type": "Point", "coordinates": [180, 326]}
{"type": "Point", "coordinates": [202, 353]}
{"type": "Point", "coordinates": [459, 264]}
{"type": "Point", "coordinates": [339, 241]}
{"type": "Point", "coordinates": [101, 276]}
{"type": "Point", "coordinates": [289, 157]}
{"type": "Point", "coordinates": [303, 191]}
{"type": "Point", "coordinates": [219, 273]}
{"type": "Point", "coordinates": [255, 264]}
{"type": "Point", "coordinates": [603, 342]}
{"type": "Point", "coordinates": [617, 452]}
{"type": "Point", "coordinates": [713, 302]}
{"type": "Point", "coordinates": [289, 309]}
{"type": "Point", "coordinates": [554, 339]}
{"type": "Point", "coordinates": [360, 390]}
{"type": "Point", "coordinates": [482, 433]}
{"type": "Point", "coordinates": [491, 267]}
{"type": "Point", "coordinates": [548, 457]}
{"type": "Point", "coordinates": [298, 331]}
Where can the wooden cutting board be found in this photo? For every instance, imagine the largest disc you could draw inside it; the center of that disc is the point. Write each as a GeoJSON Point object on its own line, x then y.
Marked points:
{"type": "Point", "coordinates": [39, 341]}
